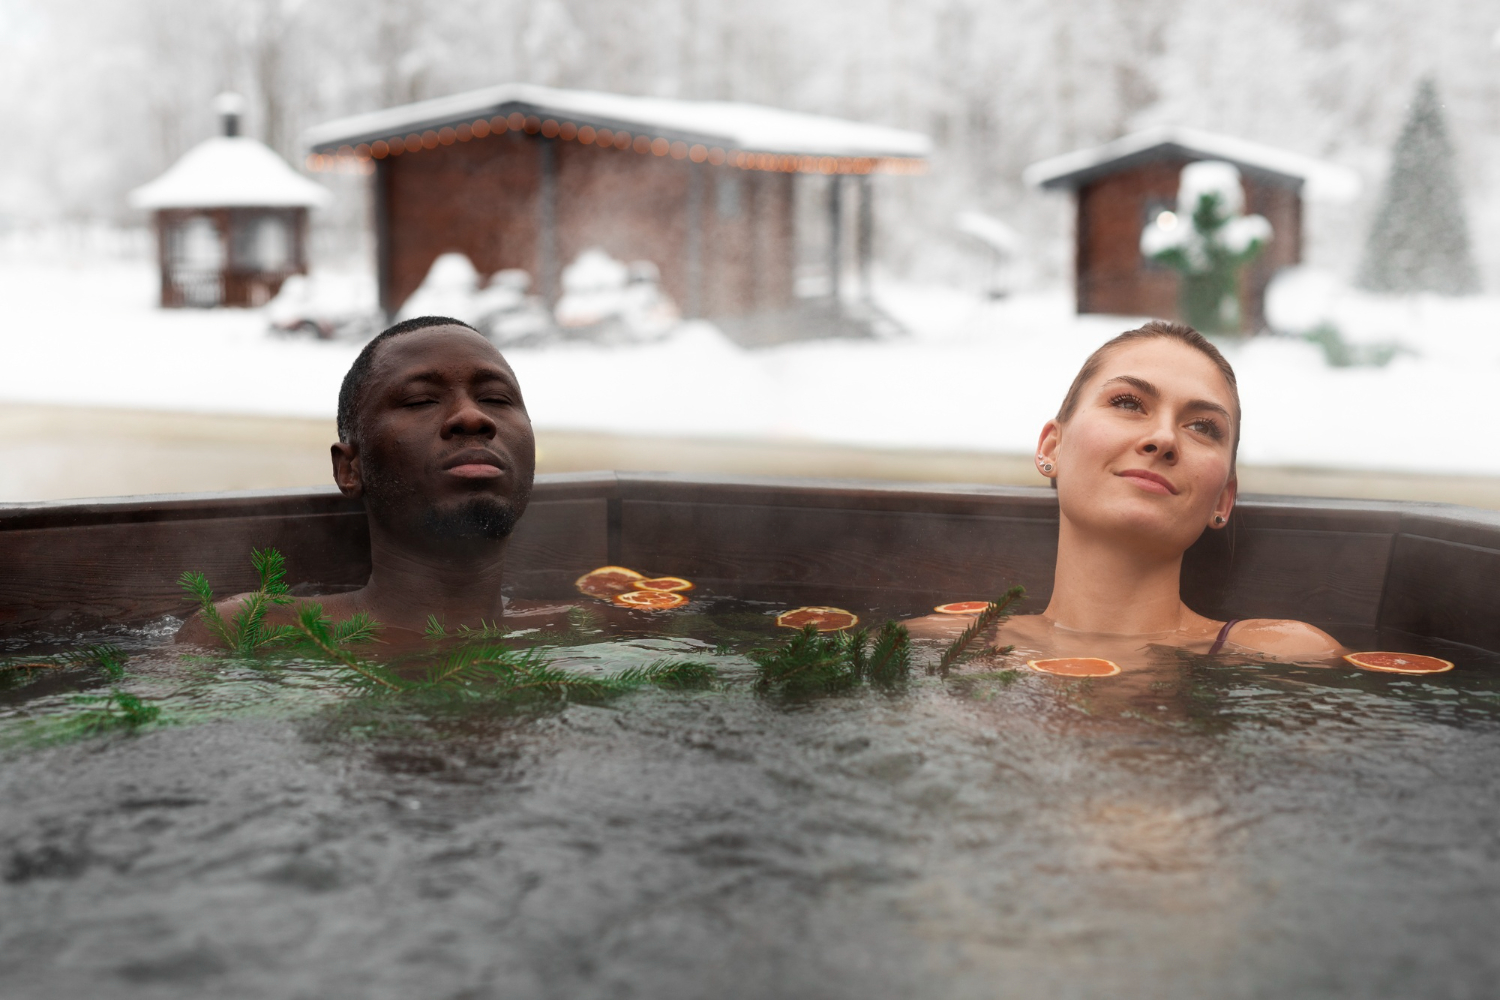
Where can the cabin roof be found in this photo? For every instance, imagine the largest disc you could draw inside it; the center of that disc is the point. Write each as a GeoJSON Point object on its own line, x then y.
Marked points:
{"type": "Point", "coordinates": [229, 172]}
{"type": "Point", "coordinates": [727, 124]}
{"type": "Point", "coordinates": [1069, 171]}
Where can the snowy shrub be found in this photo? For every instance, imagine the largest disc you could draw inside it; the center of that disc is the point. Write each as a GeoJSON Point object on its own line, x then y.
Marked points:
{"type": "Point", "coordinates": [1208, 240]}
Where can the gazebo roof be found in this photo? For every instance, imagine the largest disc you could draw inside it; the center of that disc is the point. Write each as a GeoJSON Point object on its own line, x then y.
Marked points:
{"type": "Point", "coordinates": [229, 172]}
{"type": "Point", "coordinates": [726, 125]}
{"type": "Point", "coordinates": [1325, 181]}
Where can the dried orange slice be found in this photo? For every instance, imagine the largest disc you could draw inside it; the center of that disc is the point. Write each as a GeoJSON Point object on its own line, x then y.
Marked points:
{"type": "Point", "coordinates": [607, 581]}
{"type": "Point", "coordinates": [823, 619]}
{"type": "Point", "coordinates": [962, 608]}
{"type": "Point", "coordinates": [1076, 666]}
{"type": "Point", "coordinates": [650, 600]}
{"type": "Point", "coordinates": [671, 584]}
{"type": "Point", "coordinates": [1400, 663]}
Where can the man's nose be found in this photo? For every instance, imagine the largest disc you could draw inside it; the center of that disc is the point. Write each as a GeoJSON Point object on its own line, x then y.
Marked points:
{"type": "Point", "coordinates": [468, 418]}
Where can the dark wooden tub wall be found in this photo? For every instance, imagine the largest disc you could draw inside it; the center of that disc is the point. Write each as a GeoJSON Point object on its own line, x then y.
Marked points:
{"type": "Point", "coordinates": [1424, 569]}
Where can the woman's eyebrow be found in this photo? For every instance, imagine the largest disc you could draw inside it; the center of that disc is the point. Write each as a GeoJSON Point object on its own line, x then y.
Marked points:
{"type": "Point", "coordinates": [1137, 382]}
{"type": "Point", "coordinates": [1205, 404]}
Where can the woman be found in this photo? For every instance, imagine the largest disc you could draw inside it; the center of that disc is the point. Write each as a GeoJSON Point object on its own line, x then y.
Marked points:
{"type": "Point", "coordinates": [1142, 455]}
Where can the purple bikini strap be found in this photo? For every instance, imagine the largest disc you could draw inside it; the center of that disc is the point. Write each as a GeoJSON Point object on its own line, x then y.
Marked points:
{"type": "Point", "coordinates": [1223, 635]}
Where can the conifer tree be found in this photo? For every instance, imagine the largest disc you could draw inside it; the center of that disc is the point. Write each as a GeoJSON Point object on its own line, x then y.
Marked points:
{"type": "Point", "coordinates": [1419, 241]}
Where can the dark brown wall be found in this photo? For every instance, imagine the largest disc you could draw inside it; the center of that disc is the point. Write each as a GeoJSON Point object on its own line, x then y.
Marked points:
{"type": "Point", "coordinates": [1113, 277]}
{"type": "Point", "coordinates": [481, 198]}
{"type": "Point", "coordinates": [236, 286]}
{"type": "Point", "coordinates": [1349, 566]}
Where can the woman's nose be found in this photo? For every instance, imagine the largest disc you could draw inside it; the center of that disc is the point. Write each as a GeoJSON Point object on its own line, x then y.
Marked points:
{"type": "Point", "coordinates": [1162, 445]}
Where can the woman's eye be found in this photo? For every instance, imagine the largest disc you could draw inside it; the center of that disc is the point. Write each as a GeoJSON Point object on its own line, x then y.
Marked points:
{"type": "Point", "coordinates": [1125, 401]}
{"type": "Point", "coordinates": [1207, 427]}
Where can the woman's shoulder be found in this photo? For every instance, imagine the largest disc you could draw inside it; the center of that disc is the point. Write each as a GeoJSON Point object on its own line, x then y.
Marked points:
{"type": "Point", "coordinates": [1285, 638]}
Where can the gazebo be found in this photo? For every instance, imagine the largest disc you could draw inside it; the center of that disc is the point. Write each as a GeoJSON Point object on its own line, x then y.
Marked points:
{"type": "Point", "coordinates": [1121, 186]}
{"type": "Point", "coordinates": [230, 218]}
{"type": "Point", "coordinates": [529, 177]}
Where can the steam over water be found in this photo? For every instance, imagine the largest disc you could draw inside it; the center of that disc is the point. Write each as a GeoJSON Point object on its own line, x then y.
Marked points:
{"type": "Point", "coordinates": [1205, 829]}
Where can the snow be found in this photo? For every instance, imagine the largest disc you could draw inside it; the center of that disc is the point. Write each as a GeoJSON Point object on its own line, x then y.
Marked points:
{"type": "Point", "coordinates": [229, 172]}
{"type": "Point", "coordinates": [736, 125]}
{"type": "Point", "coordinates": [1324, 181]}
{"type": "Point", "coordinates": [1176, 230]}
{"type": "Point", "coordinates": [973, 375]}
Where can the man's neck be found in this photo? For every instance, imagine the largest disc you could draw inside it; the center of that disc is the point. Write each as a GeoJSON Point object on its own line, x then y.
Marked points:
{"type": "Point", "coordinates": [459, 583]}
{"type": "Point", "coordinates": [1102, 586]}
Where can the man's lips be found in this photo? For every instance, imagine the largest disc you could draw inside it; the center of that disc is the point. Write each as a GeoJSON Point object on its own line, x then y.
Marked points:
{"type": "Point", "coordinates": [1149, 481]}
{"type": "Point", "coordinates": [474, 465]}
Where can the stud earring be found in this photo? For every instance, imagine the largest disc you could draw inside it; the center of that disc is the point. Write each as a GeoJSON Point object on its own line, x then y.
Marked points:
{"type": "Point", "coordinates": [1218, 519]}
{"type": "Point", "coordinates": [1047, 467]}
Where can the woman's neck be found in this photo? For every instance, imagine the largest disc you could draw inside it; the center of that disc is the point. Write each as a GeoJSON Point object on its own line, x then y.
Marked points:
{"type": "Point", "coordinates": [1101, 586]}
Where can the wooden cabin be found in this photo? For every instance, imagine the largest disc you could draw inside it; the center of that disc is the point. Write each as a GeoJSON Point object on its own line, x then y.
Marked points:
{"type": "Point", "coordinates": [230, 220]}
{"type": "Point", "coordinates": [520, 176]}
{"type": "Point", "coordinates": [1121, 186]}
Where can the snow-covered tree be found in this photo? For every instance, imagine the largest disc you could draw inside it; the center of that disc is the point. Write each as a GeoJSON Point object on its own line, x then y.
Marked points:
{"type": "Point", "coordinates": [1208, 240]}
{"type": "Point", "coordinates": [1420, 239]}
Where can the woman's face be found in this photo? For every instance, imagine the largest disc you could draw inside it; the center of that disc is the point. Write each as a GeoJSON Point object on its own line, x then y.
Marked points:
{"type": "Point", "coordinates": [1146, 456]}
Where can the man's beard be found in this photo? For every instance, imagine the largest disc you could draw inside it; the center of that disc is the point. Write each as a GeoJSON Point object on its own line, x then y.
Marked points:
{"type": "Point", "coordinates": [477, 518]}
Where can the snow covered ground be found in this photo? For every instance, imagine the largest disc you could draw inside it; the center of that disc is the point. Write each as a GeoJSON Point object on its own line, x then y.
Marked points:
{"type": "Point", "coordinates": [973, 375]}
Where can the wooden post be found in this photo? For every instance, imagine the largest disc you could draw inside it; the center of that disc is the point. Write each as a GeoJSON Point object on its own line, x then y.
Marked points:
{"type": "Point", "coordinates": [546, 242]}
{"type": "Point", "coordinates": [865, 235]}
{"type": "Point", "coordinates": [384, 251]}
{"type": "Point", "coordinates": [835, 234]}
{"type": "Point", "coordinates": [694, 243]}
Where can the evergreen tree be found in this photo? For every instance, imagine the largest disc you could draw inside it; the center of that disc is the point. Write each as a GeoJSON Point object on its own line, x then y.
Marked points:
{"type": "Point", "coordinates": [1420, 240]}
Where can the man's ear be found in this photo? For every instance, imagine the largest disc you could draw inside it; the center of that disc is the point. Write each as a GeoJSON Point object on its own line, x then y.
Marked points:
{"type": "Point", "coordinates": [347, 475]}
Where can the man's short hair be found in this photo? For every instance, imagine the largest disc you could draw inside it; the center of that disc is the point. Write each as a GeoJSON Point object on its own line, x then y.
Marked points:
{"type": "Point", "coordinates": [352, 392]}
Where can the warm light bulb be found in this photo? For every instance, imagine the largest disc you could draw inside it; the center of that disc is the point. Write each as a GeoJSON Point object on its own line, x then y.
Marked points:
{"type": "Point", "coordinates": [1167, 220]}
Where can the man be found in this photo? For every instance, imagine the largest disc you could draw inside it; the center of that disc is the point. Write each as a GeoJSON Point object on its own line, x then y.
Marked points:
{"type": "Point", "coordinates": [435, 438]}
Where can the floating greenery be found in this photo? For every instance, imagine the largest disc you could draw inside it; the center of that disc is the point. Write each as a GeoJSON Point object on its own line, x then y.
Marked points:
{"type": "Point", "coordinates": [811, 662]}
{"type": "Point", "coordinates": [107, 659]}
{"type": "Point", "coordinates": [465, 663]}
{"type": "Point", "coordinates": [994, 613]}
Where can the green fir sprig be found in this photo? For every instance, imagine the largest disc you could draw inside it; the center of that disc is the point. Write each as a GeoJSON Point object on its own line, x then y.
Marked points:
{"type": "Point", "coordinates": [995, 612]}
{"type": "Point", "coordinates": [811, 662]}
{"type": "Point", "coordinates": [108, 659]}
{"type": "Point", "coordinates": [247, 630]}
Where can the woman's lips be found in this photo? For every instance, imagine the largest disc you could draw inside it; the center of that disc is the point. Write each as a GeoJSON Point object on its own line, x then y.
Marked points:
{"type": "Point", "coordinates": [475, 470]}
{"type": "Point", "coordinates": [1148, 481]}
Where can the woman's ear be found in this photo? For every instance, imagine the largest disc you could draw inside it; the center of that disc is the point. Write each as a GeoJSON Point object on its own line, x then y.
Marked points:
{"type": "Point", "coordinates": [1046, 449]}
{"type": "Point", "coordinates": [1225, 503]}
{"type": "Point", "coordinates": [347, 475]}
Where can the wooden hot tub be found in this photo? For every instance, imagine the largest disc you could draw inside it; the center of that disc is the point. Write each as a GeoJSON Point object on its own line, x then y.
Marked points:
{"type": "Point", "coordinates": [1409, 571]}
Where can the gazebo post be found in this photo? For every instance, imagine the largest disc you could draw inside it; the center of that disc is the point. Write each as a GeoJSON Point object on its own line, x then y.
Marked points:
{"type": "Point", "coordinates": [547, 274]}
{"type": "Point", "coordinates": [383, 251]}
{"type": "Point", "coordinates": [835, 234]}
{"type": "Point", "coordinates": [694, 243]}
{"type": "Point", "coordinates": [864, 237]}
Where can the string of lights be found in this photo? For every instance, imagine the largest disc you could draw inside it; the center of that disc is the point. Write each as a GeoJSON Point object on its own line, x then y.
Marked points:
{"type": "Point", "coordinates": [360, 156]}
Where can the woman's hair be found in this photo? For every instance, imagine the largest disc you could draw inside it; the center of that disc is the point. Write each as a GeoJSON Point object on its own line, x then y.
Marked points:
{"type": "Point", "coordinates": [1156, 329]}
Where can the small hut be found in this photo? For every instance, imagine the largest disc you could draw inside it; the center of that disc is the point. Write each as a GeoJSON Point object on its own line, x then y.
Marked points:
{"type": "Point", "coordinates": [230, 218]}
{"type": "Point", "coordinates": [528, 177]}
{"type": "Point", "coordinates": [1121, 186]}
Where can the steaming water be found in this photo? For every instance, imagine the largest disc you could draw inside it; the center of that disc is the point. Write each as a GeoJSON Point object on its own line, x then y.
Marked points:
{"type": "Point", "coordinates": [1206, 830]}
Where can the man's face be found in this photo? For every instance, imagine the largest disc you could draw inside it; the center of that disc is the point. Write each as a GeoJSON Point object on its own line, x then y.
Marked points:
{"type": "Point", "coordinates": [445, 448]}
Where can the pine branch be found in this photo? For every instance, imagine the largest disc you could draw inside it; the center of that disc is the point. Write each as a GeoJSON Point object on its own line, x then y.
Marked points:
{"type": "Point", "coordinates": [315, 628]}
{"type": "Point", "coordinates": [890, 660]}
{"type": "Point", "coordinates": [198, 590]}
{"type": "Point", "coordinates": [994, 613]}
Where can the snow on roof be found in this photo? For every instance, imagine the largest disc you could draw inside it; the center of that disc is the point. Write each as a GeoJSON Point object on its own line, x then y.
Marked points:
{"type": "Point", "coordinates": [229, 172]}
{"type": "Point", "coordinates": [1324, 181]}
{"type": "Point", "coordinates": [749, 127]}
